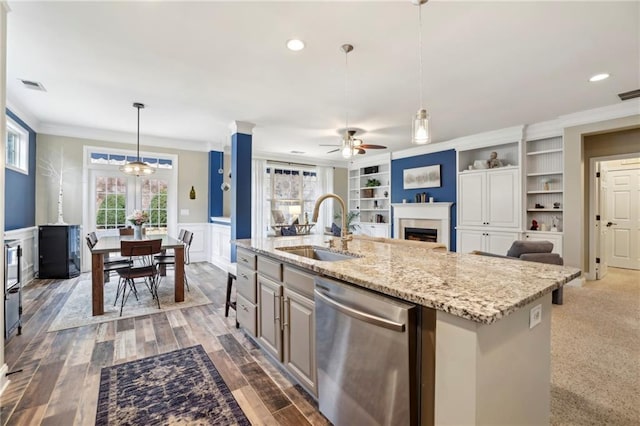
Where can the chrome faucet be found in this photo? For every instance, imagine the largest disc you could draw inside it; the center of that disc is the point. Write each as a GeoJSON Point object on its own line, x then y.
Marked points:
{"type": "Point", "coordinates": [344, 234]}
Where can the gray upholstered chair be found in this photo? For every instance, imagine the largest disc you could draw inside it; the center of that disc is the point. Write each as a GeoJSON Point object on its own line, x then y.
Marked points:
{"type": "Point", "coordinates": [534, 251]}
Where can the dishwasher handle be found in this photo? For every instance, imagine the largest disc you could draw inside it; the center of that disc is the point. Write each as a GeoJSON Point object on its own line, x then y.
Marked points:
{"type": "Point", "coordinates": [363, 316]}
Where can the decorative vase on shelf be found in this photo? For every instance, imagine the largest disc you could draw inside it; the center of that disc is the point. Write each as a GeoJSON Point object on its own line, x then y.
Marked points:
{"type": "Point", "coordinates": [137, 232]}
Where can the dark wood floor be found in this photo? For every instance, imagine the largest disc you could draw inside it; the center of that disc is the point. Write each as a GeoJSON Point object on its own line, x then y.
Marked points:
{"type": "Point", "coordinates": [58, 384]}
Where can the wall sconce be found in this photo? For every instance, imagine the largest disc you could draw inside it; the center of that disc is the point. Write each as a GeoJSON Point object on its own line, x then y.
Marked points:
{"type": "Point", "coordinates": [192, 193]}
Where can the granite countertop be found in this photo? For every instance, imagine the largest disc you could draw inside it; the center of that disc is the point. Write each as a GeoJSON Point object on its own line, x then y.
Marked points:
{"type": "Point", "coordinates": [479, 288]}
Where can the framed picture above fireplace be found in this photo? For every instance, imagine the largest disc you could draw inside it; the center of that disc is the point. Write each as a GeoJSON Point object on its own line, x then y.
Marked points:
{"type": "Point", "coordinates": [421, 177]}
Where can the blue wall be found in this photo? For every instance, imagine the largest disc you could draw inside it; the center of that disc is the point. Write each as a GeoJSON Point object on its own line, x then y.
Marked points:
{"type": "Point", "coordinates": [20, 189]}
{"type": "Point", "coordinates": [446, 192]}
{"type": "Point", "coordinates": [215, 182]}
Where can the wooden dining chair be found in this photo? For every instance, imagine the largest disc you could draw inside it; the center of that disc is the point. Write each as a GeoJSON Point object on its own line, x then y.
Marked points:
{"type": "Point", "coordinates": [125, 231]}
{"type": "Point", "coordinates": [143, 251]}
{"type": "Point", "coordinates": [111, 265]}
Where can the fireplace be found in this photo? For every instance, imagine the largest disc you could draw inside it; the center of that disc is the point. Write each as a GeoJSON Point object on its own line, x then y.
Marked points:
{"type": "Point", "coordinates": [429, 235]}
{"type": "Point", "coordinates": [422, 221]}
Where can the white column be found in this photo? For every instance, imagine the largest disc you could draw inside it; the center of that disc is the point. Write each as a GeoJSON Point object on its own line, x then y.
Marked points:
{"type": "Point", "coordinates": [4, 9]}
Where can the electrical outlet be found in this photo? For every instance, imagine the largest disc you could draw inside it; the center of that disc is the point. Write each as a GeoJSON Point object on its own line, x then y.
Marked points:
{"type": "Point", "coordinates": [535, 316]}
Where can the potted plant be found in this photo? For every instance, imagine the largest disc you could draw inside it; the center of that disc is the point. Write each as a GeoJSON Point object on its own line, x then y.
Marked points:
{"type": "Point", "coordinates": [372, 183]}
{"type": "Point", "coordinates": [351, 217]}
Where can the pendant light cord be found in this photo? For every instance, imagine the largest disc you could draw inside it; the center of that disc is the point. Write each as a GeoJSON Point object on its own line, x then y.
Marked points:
{"type": "Point", "coordinates": [420, 51]}
{"type": "Point", "coordinates": [346, 95]}
{"type": "Point", "coordinates": [138, 134]}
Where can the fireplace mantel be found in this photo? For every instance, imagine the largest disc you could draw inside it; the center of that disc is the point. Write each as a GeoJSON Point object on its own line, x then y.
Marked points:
{"type": "Point", "coordinates": [423, 211]}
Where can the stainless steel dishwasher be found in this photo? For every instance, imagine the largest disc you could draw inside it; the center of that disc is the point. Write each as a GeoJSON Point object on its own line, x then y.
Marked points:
{"type": "Point", "coordinates": [366, 354]}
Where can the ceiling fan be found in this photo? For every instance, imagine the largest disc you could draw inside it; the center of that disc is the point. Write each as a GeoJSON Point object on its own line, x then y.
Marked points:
{"type": "Point", "coordinates": [357, 144]}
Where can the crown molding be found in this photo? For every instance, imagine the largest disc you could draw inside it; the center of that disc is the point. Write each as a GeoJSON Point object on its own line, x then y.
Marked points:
{"type": "Point", "coordinates": [371, 160]}
{"type": "Point", "coordinates": [290, 158]}
{"type": "Point", "coordinates": [25, 116]}
{"type": "Point", "coordinates": [121, 137]}
{"type": "Point", "coordinates": [244, 127]}
{"type": "Point", "coordinates": [542, 130]}
{"type": "Point", "coordinates": [465, 143]}
{"type": "Point", "coordinates": [611, 112]}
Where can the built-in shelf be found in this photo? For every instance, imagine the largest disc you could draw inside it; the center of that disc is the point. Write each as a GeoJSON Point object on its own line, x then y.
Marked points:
{"type": "Point", "coordinates": [546, 151]}
{"type": "Point", "coordinates": [544, 173]}
{"type": "Point", "coordinates": [375, 211]}
{"type": "Point", "coordinates": [374, 187]}
{"type": "Point", "coordinates": [551, 191]}
{"type": "Point", "coordinates": [384, 174]}
{"type": "Point", "coordinates": [544, 210]}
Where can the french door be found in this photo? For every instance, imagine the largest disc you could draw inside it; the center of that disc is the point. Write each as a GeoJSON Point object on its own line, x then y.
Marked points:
{"type": "Point", "coordinates": [114, 196]}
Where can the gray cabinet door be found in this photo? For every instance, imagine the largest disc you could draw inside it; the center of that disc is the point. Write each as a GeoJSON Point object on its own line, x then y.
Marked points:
{"type": "Point", "coordinates": [270, 314]}
{"type": "Point", "coordinates": [299, 336]}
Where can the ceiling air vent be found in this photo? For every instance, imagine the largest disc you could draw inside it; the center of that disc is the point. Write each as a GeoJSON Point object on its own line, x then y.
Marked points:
{"type": "Point", "coordinates": [34, 85]}
{"type": "Point", "coordinates": [629, 95]}
{"type": "Point", "coordinates": [296, 152]}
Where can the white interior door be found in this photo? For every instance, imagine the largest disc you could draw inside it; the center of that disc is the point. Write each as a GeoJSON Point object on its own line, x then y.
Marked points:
{"type": "Point", "coordinates": [601, 231]}
{"type": "Point", "coordinates": [622, 218]}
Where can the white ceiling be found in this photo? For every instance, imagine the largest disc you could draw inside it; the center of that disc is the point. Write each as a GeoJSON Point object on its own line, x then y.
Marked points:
{"type": "Point", "coordinates": [198, 66]}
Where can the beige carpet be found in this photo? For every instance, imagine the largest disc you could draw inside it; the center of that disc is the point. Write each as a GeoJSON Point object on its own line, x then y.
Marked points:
{"type": "Point", "coordinates": [76, 311]}
{"type": "Point", "coordinates": [595, 352]}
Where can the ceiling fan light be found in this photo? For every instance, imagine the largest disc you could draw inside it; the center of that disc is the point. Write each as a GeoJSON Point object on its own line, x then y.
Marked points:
{"type": "Point", "coordinates": [421, 132]}
{"type": "Point", "coordinates": [347, 151]}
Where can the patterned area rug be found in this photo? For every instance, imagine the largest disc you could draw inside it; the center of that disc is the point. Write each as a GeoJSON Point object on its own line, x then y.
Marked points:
{"type": "Point", "coordinates": [76, 311]}
{"type": "Point", "coordinates": [179, 387]}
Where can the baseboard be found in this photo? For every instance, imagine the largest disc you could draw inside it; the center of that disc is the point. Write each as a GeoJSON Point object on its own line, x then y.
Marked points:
{"type": "Point", "coordinates": [576, 282]}
{"type": "Point", "coordinates": [4, 382]}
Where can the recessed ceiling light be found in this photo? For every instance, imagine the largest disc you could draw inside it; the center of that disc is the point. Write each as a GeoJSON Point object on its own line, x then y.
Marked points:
{"type": "Point", "coordinates": [295, 45]}
{"type": "Point", "coordinates": [599, 77]}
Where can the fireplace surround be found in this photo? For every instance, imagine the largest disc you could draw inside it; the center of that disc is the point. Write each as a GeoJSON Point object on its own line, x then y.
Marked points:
{"type": "Point", "coordinates": [423, 215]}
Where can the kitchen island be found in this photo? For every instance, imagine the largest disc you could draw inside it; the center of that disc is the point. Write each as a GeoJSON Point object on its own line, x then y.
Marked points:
{"type": "Point", "coordinates": [485, 356]}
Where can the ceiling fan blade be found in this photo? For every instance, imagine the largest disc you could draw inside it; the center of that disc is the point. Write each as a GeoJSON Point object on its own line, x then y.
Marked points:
{"type": "Point", "coordinates": [361, 151]}
{"type": "Point", "coordinates": [333, 150]}
{"type": "Point", "coordinates": [367, 146]}
{"type": "Point", "coordinates": [329, 144]}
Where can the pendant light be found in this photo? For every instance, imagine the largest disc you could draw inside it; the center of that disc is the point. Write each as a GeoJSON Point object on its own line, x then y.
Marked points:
{"type": "Point", "coordinates": [137, 168]}
{"type": "Point", "coordinates": [347, 140]}
{"type": "Point", "coordinates": [420, 131]}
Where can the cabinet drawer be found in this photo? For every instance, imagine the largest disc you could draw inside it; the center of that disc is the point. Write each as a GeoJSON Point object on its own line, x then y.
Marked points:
{"type": "Point", "coordinates": [246, 281]}
{"type": "Point", "coordinates": [246, 258]}
{"type": "Point", "coordinates": [246, 314]}
{"type": "Point", "coordinates": [270, 268]}
{"type": "Point", "coordinates": [299, 281]}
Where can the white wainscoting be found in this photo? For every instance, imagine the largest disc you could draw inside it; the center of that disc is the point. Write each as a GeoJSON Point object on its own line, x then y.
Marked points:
{"type": "Point", "coordinates": [29, 242]}
{"type": "Point", "coordinates": [220, 238]}
{"type": "Point", "coordinates": [200, 246]}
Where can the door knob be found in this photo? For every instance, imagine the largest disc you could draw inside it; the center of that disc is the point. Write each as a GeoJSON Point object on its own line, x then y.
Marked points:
{"type": "Point", "coordinates": [610, 223]}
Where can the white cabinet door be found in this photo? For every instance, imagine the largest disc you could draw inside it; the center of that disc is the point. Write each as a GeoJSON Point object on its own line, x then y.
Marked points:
{"type": "Point", "coordinates": [299, 336]}
{"type": "Point", "coordinates": [374, 230]}
{"type": "Point", "coordinates": [469, 240]}
{"type": "Point", "coordinates": [555, 239]}
{"type": "Point", "coordinates": [269, 315]}
{"type": "Point", "coordinates": [489, 241]}
{"type": "Point", "coordinates": [499, 242]}
{"type": "Point", "coordinates": [503, 199]}
{"type": "Point", "coordinates": [471, 199]}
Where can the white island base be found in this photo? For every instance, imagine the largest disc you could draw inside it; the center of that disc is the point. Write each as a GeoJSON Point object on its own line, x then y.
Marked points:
{"type": "Point", "coordinates": [492, 374]}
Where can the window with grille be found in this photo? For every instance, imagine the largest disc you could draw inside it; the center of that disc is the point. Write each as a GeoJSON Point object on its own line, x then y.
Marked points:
{"type": "Point", "coordinates": [111, 202]}
{"type": "Point", "coordinates": [17, 147]}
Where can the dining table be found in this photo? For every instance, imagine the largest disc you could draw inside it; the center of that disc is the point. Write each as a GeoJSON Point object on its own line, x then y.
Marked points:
{"type": "Point", "coordinates": [111, 244]}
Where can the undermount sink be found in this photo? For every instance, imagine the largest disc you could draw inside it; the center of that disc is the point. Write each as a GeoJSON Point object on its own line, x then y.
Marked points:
{"type": "Point", "coordinates": [318, 253]}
